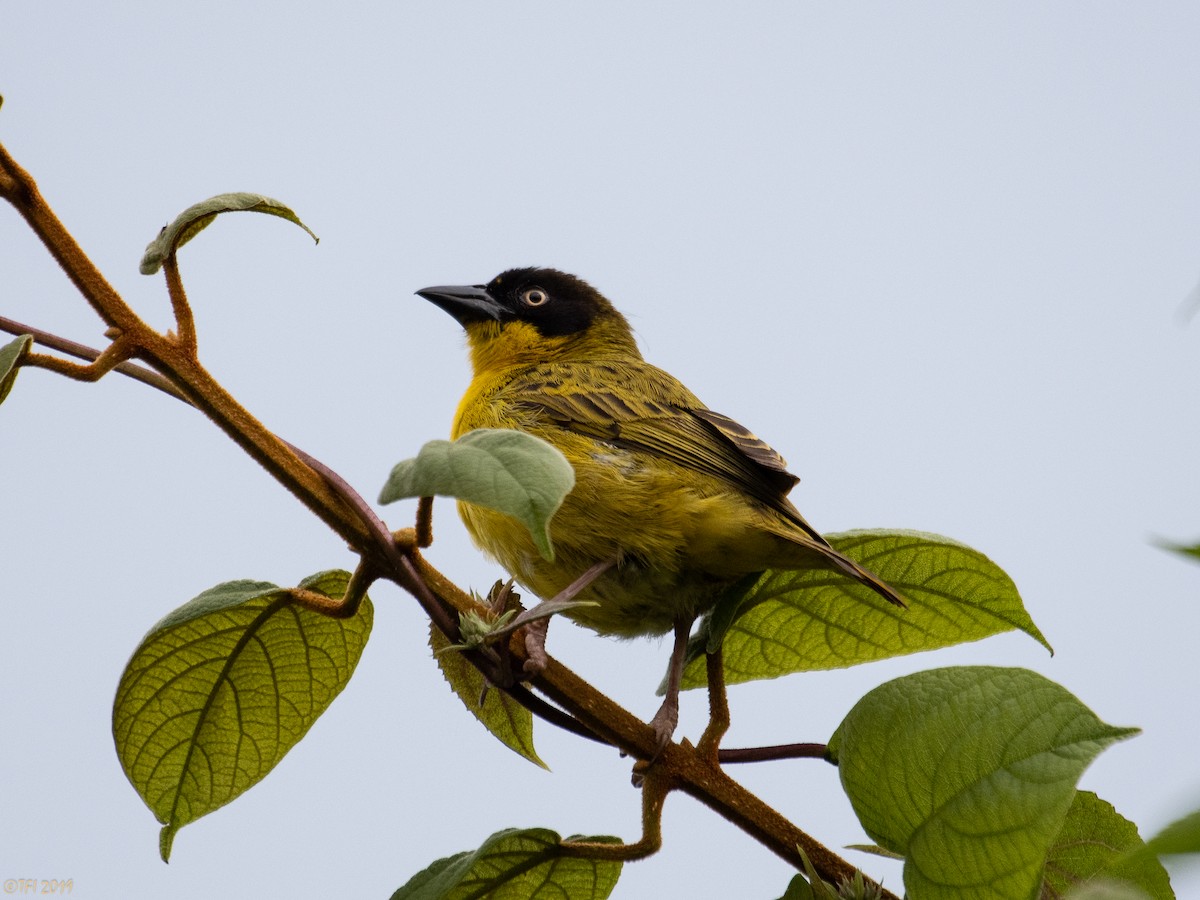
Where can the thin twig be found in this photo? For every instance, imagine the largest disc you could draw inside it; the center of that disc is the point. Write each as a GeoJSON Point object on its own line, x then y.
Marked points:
{"type": "Point", "coordinates": [161, 383]}
{"type": "Point", "coordinates": [552, 713]}
{"type": "Point", "coordinates": [379, 530]}
{"type": "Point", "coordinates": [81, 351]}
{"type": "Point", "coordinates": [429, 602]}
{"type": "Point", "coordinates": [108, 359]}
{"type": "Point", "coordinates": [779, 751]}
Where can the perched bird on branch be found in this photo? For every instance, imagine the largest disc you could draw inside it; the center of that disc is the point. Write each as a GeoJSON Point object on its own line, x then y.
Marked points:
{"type": "Point", "coordinates": [680, 500]}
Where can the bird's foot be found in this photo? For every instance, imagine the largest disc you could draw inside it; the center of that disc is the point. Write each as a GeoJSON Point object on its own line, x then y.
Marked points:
{"type": "Point", "coordinates": [665, 722]}
{"type": "Point", "coordinates": [535, 647]}
{"type": "Point", "coordinates": [667, 717]}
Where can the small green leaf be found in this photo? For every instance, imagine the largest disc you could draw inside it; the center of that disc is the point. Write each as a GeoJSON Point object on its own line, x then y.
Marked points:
{"type": "Point", "coordinates": [968, 772]}
{"type": "Point", "coordinates": [223, 687]}
{"type": "Point", "coordinates": [509, 471]}
{"type": "Point", "coordinates": [516, 864]}
{"type": "Point", "coordinates": [196, 218]}
{"type": "Point", "coordinates": [802, 621]}
{"type": "Point", "coordinates": [10, 357]}
{"type": "Point", "coordinates": [1192, 551]}
{"type": "Point", "coordinates": [809, 884]}
{"type": "Point", "coordinates": [504, 717]}
{"type": "Point", "coordinates": [1096, 842]}
{"type": "Point", "coordinates": [874, 850]}
{"type": "Point", "coordinates": [798, 889]}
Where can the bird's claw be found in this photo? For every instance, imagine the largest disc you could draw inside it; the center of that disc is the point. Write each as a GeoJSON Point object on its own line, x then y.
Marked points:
{"type": "Point", "coordinates": [536, 659]}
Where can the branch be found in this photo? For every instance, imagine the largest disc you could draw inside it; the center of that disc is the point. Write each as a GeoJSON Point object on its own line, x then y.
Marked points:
{"type": "Point", "coordinates": [81, 351]}
{"type": "Point", "coordinates": [396, 557]}
{"type": "Point", "coordinates": [389, 545]}
{"type": "Point", "coordinates": [114, 355]}
{"type": "Point", "coordinates": [170, 358]}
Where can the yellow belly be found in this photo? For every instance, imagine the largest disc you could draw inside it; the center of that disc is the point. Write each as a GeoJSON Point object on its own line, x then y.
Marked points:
{"type": "Point", "coordinates": [678, 541]}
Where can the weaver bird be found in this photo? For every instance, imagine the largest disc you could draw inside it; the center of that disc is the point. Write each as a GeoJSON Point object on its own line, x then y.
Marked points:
{"type": "Point", "coordinates": [679, 501]}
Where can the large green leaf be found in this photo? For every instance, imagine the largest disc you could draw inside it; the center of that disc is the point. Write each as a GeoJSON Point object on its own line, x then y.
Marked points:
{"type": "Point", "coordinates": [785, 622]}
{"type": "Point", "coordinates": [1097, 844]}
{"type": "Point", "coordinates": [968, 772]}
{"type": "Point", "coordinates": [504, 717]}
{"type": "Point", "coordinates": [223, 687]}
{"type": "Point", "coordinates": [199, 216]}
{"type": "Point", "coordinates": [10, 355]}
{"type": "Point", "coordinates": [515, 864]}
{"type": "Point", "coordinates": [505, 470]}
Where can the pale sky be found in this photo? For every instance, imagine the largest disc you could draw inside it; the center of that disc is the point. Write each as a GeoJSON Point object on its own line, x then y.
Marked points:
{"type": "Point", "coordinates": [934, 253]}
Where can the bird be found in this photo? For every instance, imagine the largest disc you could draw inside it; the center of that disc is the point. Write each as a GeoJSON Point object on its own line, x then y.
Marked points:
{"type": "Point", "coordinates": [673, 503]}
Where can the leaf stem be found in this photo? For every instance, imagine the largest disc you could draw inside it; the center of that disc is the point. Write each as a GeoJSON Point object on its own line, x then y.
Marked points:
{"type": "Point", "coordinates": [344, 608]}
{"type": "Point", "coordinates": [424, 522]}
{"type": "Point", "coordinates": [718, 707]}
{"type": "Point", "coordinates": [657, 783]}
{"type": "Point", "coordinates": [81, 351]}
{"type": "Point", "coordinates": [185, 322]}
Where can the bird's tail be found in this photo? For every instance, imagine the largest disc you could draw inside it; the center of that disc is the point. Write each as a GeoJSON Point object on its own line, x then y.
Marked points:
{"type": "Point", "coordinates": [859, 574]}
{"type": "Point", "coordinates": [808, 549]}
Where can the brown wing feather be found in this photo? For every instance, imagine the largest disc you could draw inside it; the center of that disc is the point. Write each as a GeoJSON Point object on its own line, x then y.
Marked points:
{"type": "Point", "coordinates": [750, 444]}
{"type": "Point", "coordinates": [665, 419]}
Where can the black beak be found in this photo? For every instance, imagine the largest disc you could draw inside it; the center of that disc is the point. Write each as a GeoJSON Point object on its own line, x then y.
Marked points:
{"type": "Point", "coordinates": [467, 303]}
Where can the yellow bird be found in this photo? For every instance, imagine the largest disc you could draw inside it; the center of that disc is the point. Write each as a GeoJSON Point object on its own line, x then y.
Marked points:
{"type": "Point", "coordinates": [680, 500]}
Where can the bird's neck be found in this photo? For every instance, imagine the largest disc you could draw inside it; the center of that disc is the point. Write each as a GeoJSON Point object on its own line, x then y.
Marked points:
{"type": "Point", "coordinates": [499, 349]}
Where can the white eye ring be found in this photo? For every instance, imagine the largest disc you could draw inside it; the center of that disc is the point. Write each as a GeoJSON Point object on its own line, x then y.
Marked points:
{"type": "Point", "coordinates": [534, 296]}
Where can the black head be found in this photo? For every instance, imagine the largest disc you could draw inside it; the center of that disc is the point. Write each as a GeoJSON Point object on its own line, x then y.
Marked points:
{"type": "Point", "coordinates": [555, 303]}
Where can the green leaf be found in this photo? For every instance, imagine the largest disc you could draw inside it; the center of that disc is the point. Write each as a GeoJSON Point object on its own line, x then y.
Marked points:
{"type": "Point", "coordinates": [223, 687]}
{"type": "Point", "coordinates": [1096, 842]}
{"type": "Point", "coordinates": [1192, 551]}
{"type": "Point", "coordinates": [874, 850]}
{"type": "Point", "coordinates": [509, 721]}
{"type": "Point", "coordinates": [787, 622]}
{"type": "Point", "coordinates": [1182, 836]}
{"type": "Point", "coordinates": [10, 356]}
{"type": "Point", "coordinates": [196, 218]}
{"type": "Point", "coordinates": [968, 772]}
{"type": "Point", "coordinates": [736, 599]}
{"type": "Point", "coordinates": [798, 889]}
{"type": "Point", "coordinates": [516, 864]}
{"type": "Point", "coordinates": [509, 471]}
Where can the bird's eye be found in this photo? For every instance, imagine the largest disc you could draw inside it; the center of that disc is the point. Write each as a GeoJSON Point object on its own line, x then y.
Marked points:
{"type": "Point", "coordinates": [534, 297]}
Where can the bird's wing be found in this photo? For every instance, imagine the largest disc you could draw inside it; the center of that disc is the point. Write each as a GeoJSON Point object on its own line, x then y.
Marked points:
{"type": "Point", "coordinates": [641, 407]}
